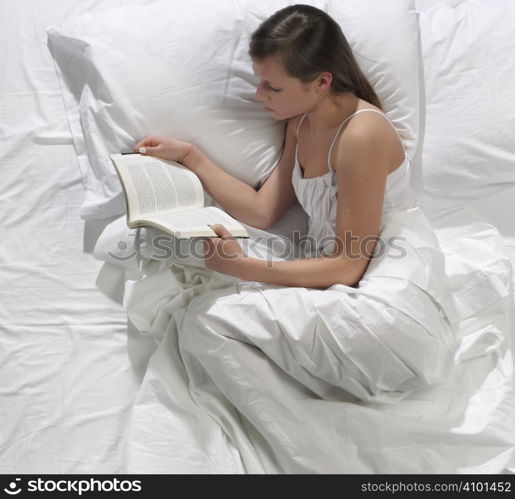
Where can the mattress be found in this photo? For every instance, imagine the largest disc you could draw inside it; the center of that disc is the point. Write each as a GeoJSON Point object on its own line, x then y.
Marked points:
{"type": "Point", "coordinates": [71, 365]}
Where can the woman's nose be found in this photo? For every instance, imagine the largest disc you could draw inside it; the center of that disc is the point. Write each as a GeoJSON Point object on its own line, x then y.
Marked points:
{"type": "Point", "coordinates": [260, 95]}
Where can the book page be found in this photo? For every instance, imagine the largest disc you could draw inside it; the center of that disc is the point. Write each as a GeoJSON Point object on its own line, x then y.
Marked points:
{"type": "Point", "coordinates": [154, 185]}
{"type": "Point", "coordinates": [194, 223]}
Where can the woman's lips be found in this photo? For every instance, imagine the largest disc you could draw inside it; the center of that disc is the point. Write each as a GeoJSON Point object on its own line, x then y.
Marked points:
{"type": "Point", "coordinates": [268, 108]}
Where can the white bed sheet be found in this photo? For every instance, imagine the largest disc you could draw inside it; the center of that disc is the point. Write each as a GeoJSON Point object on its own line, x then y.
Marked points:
{"type": "Point", "coordinates": [68, 380]}
{"type": "Point", "coordinates": [458, 426]}
{"type": "Point", "coordinates": [70, 367]}
{"type": "Point", "coordinates": [498, 210]}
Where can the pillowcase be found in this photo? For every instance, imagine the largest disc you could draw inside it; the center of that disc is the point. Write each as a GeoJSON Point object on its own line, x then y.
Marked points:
{"type": "Point", "coordinates": [384, 38]}
{"type": "Point", "coordinates": [181, 69]}
{"type": "Point", "coordinates": [389, 58]}
{"type": "Point", "coordinates": [421, 5]}
{"type": "Point", "coordinates": [469, 151]}
{"type": "Point", "coordinates": [178, 69]}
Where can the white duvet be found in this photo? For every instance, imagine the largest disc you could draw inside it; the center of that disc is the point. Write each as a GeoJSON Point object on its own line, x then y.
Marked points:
{"type": "Point", "coordinates": [249, 377]}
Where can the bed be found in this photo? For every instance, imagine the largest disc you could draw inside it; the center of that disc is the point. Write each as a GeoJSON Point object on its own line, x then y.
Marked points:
{"type": "Point", "coordinates": [93, 381]}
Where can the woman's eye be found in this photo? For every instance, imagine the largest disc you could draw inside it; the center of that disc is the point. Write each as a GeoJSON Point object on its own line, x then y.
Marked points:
{"type": "Point", "coordinates": [274, 89]}
{"type": "Point", "coordinates": [267, 85]}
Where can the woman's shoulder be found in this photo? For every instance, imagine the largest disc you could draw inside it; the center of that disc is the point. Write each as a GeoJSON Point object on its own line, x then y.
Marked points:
{"type": "Point", "coordinates": [367, 129]}
{"type": "Point", "coordinates": [373, 124]}
{"type": "Point", "coordinates": [366, 117]}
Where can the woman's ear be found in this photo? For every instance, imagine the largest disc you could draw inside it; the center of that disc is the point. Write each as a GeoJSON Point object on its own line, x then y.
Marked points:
{"type": "Point", "coordinates": [323, 81]}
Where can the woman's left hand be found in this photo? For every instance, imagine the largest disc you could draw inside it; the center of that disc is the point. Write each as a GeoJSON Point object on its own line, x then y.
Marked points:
{"type": "Point", "coordinates": [224, 254]}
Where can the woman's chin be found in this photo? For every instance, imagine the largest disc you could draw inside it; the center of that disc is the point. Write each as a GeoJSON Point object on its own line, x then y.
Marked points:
{"type": "Point", "coordinates": [274, 114]}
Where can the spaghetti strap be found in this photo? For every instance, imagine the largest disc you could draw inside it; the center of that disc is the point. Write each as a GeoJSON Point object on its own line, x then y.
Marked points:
{"type": "Point", "coordinates": [300, 123]}
{"type": "Point", "coordinates": [347, 119]}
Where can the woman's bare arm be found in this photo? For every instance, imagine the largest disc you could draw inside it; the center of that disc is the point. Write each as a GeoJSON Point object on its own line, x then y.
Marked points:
{"type": "Point", "coordinates": [257, 208]}
{"type": "Point", "coordinates": [276, 194]}
{"type": "Point", "coordinates": [237, 198]}
{"type": "Point", "coordinates": [234, 196]}
{"type": "Point", "coordinates": [362, 178]}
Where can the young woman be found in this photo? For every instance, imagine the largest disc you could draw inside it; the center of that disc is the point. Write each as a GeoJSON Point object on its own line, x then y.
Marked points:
{"type": "Point", "coordinates": [340, 152]}
{"type": "Point", "coordinates": [296, 362]}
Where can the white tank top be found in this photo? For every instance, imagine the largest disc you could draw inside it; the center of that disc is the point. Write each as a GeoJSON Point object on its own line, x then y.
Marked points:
{"type": "Point", "coordinates": [317, 195]}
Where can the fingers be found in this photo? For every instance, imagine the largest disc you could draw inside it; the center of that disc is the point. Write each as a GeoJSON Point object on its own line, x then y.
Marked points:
{"type": "Point", "coordinates": [149, 151]}
{"type": "Point", "coordinates": [141, 143]}
{"type": "Point", "coordinates": [149, 145]}
{"type": "Point", "coordinates": [221, 230]}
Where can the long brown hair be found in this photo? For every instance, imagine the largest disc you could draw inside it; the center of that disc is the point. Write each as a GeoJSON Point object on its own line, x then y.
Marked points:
{"type": "Point", "coordinates": [309, 42]}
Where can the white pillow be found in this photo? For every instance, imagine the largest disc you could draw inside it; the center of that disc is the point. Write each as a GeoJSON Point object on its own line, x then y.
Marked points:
{"type": "Point", "coordinates": [181, 69]}
{"type": "Point", "coordinates": [421, 5]}
{"type": "Point", "coordinates": [172, 68]}
{"type": "Point", "coordinates": [469, 68]}
{"type": "Point", "coordinates": [384, 38]}
{"type": "Point", "coordinates": [389, 58]}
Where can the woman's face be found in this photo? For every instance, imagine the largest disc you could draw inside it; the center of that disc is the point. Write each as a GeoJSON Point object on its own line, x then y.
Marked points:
{"type": "Point", "coordinates": [283, 96]}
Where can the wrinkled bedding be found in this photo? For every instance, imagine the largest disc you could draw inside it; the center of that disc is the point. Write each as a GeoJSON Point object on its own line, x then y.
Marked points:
{"type": "Point", "coordinates": [411, 372]}
{"type": "Point", "coordinates": [85, 392]}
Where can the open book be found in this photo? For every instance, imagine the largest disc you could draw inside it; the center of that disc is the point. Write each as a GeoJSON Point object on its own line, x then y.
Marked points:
{"type": "Point", "coordinates": [169, 196]}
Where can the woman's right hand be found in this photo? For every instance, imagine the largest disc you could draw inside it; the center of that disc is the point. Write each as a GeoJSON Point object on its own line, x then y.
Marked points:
{"type": "Point", "coordinates": [163, 147]}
